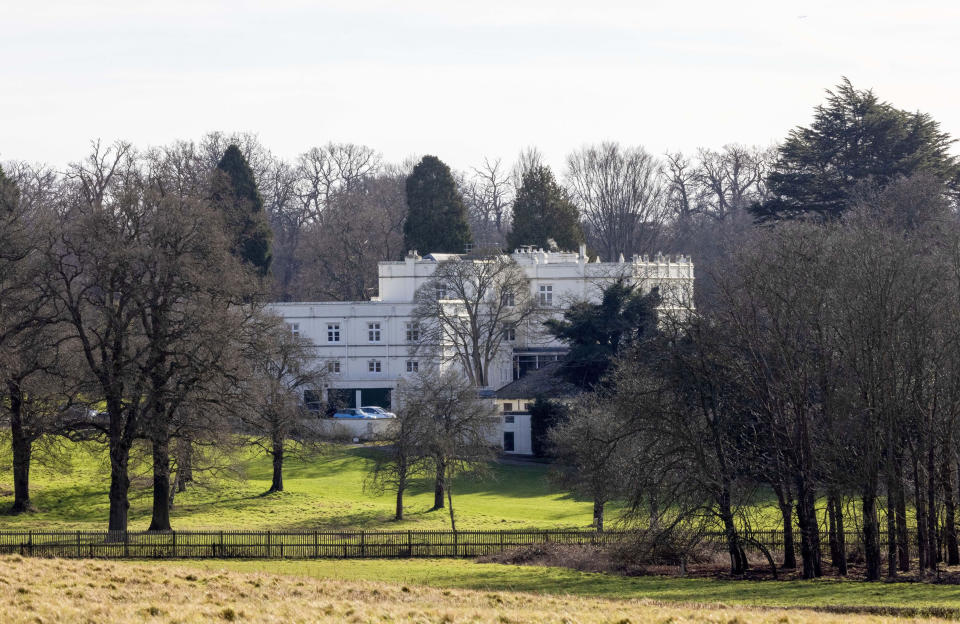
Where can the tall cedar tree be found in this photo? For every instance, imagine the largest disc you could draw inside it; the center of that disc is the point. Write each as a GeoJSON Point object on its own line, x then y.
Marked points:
{"type": "Point", "coordinates": [854, 139]}
{"type": "Point", "coordinates": [597, 332]}
{"type": "Point", "coordinates": [437, 217]}
{"type": "Point", "coordinates": [541, 211]}
{"type": "Point", "coordinates": [235, 193]}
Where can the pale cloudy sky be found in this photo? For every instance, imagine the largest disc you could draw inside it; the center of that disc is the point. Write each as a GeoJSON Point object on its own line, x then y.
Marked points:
{"type": "Point", "coordinates": [461, 80]}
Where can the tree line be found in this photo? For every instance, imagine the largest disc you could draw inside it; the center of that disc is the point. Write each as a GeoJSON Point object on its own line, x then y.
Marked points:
{"type": "Point", "coordinates": [819, 370]}
{"type": "Point", "coordinates": [133, 288]}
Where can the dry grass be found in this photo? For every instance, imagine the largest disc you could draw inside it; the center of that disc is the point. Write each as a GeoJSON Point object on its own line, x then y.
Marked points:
{"type": "Point", "coordinates": [42, 591]}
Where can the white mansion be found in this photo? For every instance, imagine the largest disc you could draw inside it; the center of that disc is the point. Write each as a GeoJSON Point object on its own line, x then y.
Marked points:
{"type": "Point", "coordinates": [366, 345]}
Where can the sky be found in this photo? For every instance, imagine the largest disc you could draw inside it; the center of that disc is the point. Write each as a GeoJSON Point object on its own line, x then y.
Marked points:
{"type": "Point", "coordinates": [461, 80]}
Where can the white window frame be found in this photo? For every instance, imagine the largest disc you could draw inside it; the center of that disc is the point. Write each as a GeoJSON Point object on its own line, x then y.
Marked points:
{"type": "Point", "coordinates": [546, 295]}
{"type": "Point", "coordinates": [413, 366]}
{"type": "Point", "coordinates": [374, 366]}
{"type": "Point", "coordinates": [294, 329]}
{"type": "Point", "coordinates": [333, 367]}
{"type": "Point", "coordinates": [333, 332]}
{"type": "Point", "coordinates": [508, 299]}
{"type": "Point", "coordinates": [509, 333]}
{"type": "Point", "coordinates": [373, 331]}
{"type": "Point", "coordinates": [413, 332]}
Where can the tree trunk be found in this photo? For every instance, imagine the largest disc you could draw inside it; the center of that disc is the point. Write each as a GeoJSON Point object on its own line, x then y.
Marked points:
{"type": "Point", "coordinates": [398, 515]}
{"type": "Point", "coordinates": [838, 543]}
{"type": "Point", "coordinates": [903, 535]}
{"type": "Point", "coordinates": [891, 522]}
{"type": "Point", "coordinates": [871, 535]}
{"type": "Point", "coordinates": [119, 485]}
{"type": "Point", "coordinates": [161, 484]}
{"type": "Point", "coordinates": [22, 451]}
{"type": "Point", "coordinates": [785, 502]}
{"type": "Point", "coordinates": [950, 512]}
{"type": "Point", "coordinates": [809, 531]}
{"type": "Point", "coordinates": [453, 520]}
{"type": "Point", "coordinates": [438, 487]}
{"type": "Point", "coordinates": [738, 559]}
{"type": "Point", "coordinates": [184, 464]}
{"type": "Point", "coordinates": [933, 545]}
{"type": "Point", "coordinates": [276, 453]}
{"type": "Point", "coordinates": [921, 516]}
{"type": "Point", "coordinates": [598, 514]}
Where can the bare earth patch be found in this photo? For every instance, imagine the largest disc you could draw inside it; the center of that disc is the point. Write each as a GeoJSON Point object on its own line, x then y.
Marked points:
{"type": "Point", "coordinates": [43, 590]}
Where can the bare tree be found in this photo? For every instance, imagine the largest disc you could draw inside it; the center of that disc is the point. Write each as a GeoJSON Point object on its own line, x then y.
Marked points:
{"type": "Point", "coordinates": [405, 454]}
{"type": "Point", "coordinates": [487, 192]}
{"type": "Point", "coordinates": [458, 427]}
{"type": "Point", "coordinates": [340, 251]}
{"type": "Point", "coordinates": [470, 306]}
{"type": "Point", "coordinates": [323, 172]}
{"type": "Point", "coordinates": [591, 447]}
{"type": "Point", "coordinates": [621, 195]}
{"type": "Point", "coordinates": [282, 370]}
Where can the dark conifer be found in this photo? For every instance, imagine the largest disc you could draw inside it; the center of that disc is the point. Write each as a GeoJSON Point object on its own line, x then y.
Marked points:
{"type": "Point", "coordinates": [437, 217]}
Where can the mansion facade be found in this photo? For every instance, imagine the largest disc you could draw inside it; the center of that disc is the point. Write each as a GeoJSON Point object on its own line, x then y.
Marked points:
{"type": "Point", "coordinates": [367, 347]}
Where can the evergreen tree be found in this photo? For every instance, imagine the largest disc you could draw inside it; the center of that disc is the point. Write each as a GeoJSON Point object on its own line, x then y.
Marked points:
{"type": "Point", "coordinates": [544, 414]}
{"type": "Point", "coordinates": [437, 217]}
{"type": "Point", "coordinates": [597, 332]}
{"type": "Point", "coordinates": [235, 193]}
{"type": "Point", "coordinates": [854, 139]}
{"type": "Point", "coordinates": [541, 212]}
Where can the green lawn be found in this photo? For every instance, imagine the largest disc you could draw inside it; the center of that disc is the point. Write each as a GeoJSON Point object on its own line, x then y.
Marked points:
{"type": "Point", "coordinates": [464, 574]}
{"type": "Point", "coordinates": [325, 492]}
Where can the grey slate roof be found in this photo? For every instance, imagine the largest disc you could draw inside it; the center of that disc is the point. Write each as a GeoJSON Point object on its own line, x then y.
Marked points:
{"type": "Point", "coordinates": [544, 381]}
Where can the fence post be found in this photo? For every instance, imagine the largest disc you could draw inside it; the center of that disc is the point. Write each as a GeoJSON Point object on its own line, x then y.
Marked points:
{"type": "Point", "coordinates": [174, 536]}
{"type": "Point", "coordinates": [222, 550]}
{"type": "Point", "coordinates": [79, 553]}
{"type": "Point", "coordinates": [363, 543]}
{"type": "Point", "coordinates": [126, 544]}
{"type": "Point", "coordinates": [269, 547]}
{"type": "Point", "coordinates": [410, 543]}
{"type": "Point", "coordinates": [316, 544]}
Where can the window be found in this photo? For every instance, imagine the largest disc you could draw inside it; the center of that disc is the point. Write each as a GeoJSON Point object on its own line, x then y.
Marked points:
{"type": "Point", "coordinates": [413, 366]}
{"type": "Point", "coordinates": [509, 333]}
{"type": "Point", "coordinates": [333, 367]}
{"type": "Point", "coordinates": [527, 406]}
{"type": "Point", "coordinates": [413, 332]}
{"type": "Point", "coordinates": [373, 366]}
{"type": "Point", "coordinates": [546, 295]}
{"type": "Point", "coordinates": [373, 332]}
{"type": "Point", "coordinates": [508, 407]}
{"type": "Point", "coordinates": [333, 332]}
{"type": "Point", "coordinates": [509, 420]}
{"type": "Point", "coordinates": [294, 329]}
{"type": "Point", "coordinates": [508, 441]}
{"type": "Point", "coordinates": [507, 299]}
{"type": "Point", "coordinates": [441, 292]}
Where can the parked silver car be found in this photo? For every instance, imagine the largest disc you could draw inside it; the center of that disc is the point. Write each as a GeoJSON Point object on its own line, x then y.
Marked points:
{"type": "Point", "coordinates": [377, 412]}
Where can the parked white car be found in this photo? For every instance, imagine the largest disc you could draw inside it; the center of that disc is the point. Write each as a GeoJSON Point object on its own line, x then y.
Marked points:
{"type": "Point", "coordinates": [377, 412]}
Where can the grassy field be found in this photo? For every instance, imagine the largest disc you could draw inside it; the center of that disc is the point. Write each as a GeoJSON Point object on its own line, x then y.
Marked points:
{"type": "Point", "coordinates": [325, 492]}
{"type": "Point", "coordinates": [111, 592]}
{"type": "Point", "coordinates": [465, 574]}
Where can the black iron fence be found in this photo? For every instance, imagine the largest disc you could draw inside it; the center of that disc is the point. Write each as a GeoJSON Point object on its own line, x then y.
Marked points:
{"type": "Point", "coordinates": [322, 544]}
{"type": "Point", "coordinates": [282, 544]}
